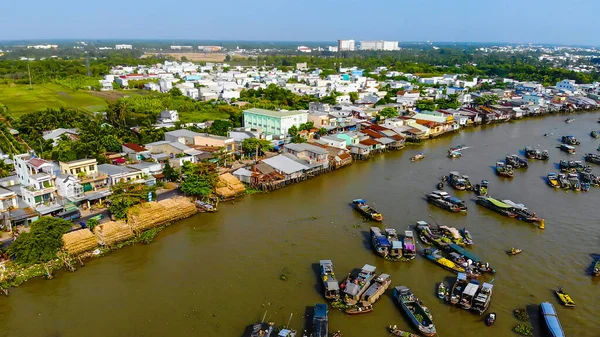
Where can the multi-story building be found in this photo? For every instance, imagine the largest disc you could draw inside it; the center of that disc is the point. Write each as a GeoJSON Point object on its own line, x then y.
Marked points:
{"type": "Point", "coordinates": [86, 173]}
{"type": "Point", "coordinates": [36, 177]}
{"type": "Point", "coordinates": [8, 200]}
{"type": "Point", "coordinates": [345, 45]}
{"type": "Point", "coordinates": [379, 45]}
{"type": "Point", "coordinates": [123, 46]}
{"type": "Point", "coordinates": [274, 122]}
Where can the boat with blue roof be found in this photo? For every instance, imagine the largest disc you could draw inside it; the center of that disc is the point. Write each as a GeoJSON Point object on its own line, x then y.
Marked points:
{"type": "Point", "coordinates": [369, 212]}
{"type": "Point", "coordinates": [396, 253]}
{"type": "Point", "coordinates": [551, 320]}
{"type": "Point", "coordinates": [380, 243]}
{"type": "Point", "coordinates": [320, 321]}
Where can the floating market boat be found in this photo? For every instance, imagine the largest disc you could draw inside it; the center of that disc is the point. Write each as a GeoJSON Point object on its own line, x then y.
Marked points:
{"type": "Point", "coordinates": [482, 188]}
{"type": "Point", "coordinates": [454, 154]}
{"type": "Point", "coordinates": [453, 234]}
{"type": "Point", "coordinates": [490, 319]}
{"type": "Point", "coordinates": [469, 186]}
{"type": "Point", "coordinates": [567, 148]}
{"type": "Point", "coordinates": [380, 243]}
{"type": "Point", "coordinates": [366, 210]}
{"type": "Point", "coordinates": [424, 231]}
{"type": "Point", "coordinates": [596, 267]}
{"type": "Point", "coordinates": [397, 332]}
{"type": "Point", "coordinates": [573, 179]}
{"type": "Point", "coordinates": [595, 134]}
{"type": "Point", "coordinates": [320, 321]}
{"type": "Point", "coordinates": [417, 156]}
{"type": "Point", "coordinates": [470, 269]}
{"type": "Point", "coordinates": [511, 209]}
{"type": "Point", "coordinates": [564, 298]}
{"type": "Point", "coordinates": [357, 310]}
{"type": "Point", "coordinates": [589, 178]}
{"type": "Point", "coordinates": [468, 240]}
{"type": "Point", "coordinates": [452, 200]}
{"type": "Point", "coordinates": [563, 181]}
{"type": "Point", "coordinates": [504, 170]}
{"type": "Point", "coordinates": [570, 140]}
{"type": "Point", "coordinates": [417, 313]}
{"type": "Point", "coordinates": [376, 289]}
{"type": "Point", "coordinates": [261, 330]}
{"type": "Point", "coordinates": [330, 283]}
{"type": "Point", "coordinates": [395, 253]}
{"type": "Point", "coordinates": [516, 162]}
{"type": "Point", "coordinates": [551, 320]}
{"type": "Point", "coordinates": [552, 180]}
{"type": "Point", "coordinates": [442, 290]}
{"type": "Point", "coordinates": [531, 153]}
{"type": "Point", "coordinates": [524, 214]}
{"type": "Point", "coordinates": [439, 235]}
{"type": "Point", "coordinates": [592, 158]}
{"type": "Point", "coordinates": [466, 299]}
{"type": "Point", "coordinates": [514, 251]}
{"type": "Point", "coordinates": [477, 263]}
{"type": "Point", "coordinates": [409, 250]}
{"type": "Point", "coordinates": [483, 298]}
{"type": "Point", "coordinates": [564, 166]}
{"type": "Point", "coordinates": [437, 257]}
{"type": "Point", "coordinates": [569, 120]}
{"type": "Point", "coordinates": [440, 200]}
{"type": "Point", "coordinates": [357, 283]}
{"type": "Point", "coordinates": [496, 205]}
{"type": "Point", "coordinates": [456, 181]}
{"type": "Point", "coordinates": [286, 333]}
{"type": "Point", "coordinates": [457, 289]}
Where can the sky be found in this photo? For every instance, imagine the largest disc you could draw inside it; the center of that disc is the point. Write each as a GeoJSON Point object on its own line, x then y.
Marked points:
{"type": "Point", "coordinates": [572, 22]}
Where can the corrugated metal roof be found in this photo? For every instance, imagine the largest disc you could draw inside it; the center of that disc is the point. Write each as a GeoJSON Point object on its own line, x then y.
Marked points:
{"type": "Point", "coordinates": [284, 164]}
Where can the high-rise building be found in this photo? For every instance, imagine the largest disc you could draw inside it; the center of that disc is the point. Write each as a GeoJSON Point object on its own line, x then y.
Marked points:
{"type": "Point", "coordinates": [123, 46]}
{"type": "Point", "coordinates": [345, 45]}
{"type": "Point", "coordinates": [379, 45]}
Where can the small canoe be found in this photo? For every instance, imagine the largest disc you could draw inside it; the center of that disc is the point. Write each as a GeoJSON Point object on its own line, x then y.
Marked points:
{"type": "Point", "coordinates": [490, 319]}
{"type": "Point", "coordinates": [359, 310]}
{"type": "Point", "coordinates": [417, 156]}
{"type": "Point", "coordinates": [397, 332]}
{"type": "Point", "coordinates": [442, 290]}
{"type": "Point", "coordinates": [514, 251]}
{"type": "Point", "coordinates": [564, 298]}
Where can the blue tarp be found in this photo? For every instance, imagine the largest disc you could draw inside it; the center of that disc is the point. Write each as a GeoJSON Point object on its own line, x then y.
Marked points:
{"type": "Point", "coordinates": [382, 241]}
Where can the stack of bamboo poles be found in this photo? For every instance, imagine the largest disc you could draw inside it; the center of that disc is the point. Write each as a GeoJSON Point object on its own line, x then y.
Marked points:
{"type": "Point", "coordinates": [79, 241]}
{"type": "Point", "coordinates": [153, 214]}
{"type": "Point", "coordinates": [229, 186]}
{"type": "Point", "coordinates": [113, 232]}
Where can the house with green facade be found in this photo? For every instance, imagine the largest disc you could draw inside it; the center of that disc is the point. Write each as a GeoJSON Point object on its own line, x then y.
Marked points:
{"type": "Point", "coordinates": [274, 122]}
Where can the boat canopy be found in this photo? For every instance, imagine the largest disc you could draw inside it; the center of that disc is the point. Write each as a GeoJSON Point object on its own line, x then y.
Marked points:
{"type": "Point", "coordinates": [391, 231]}
{"type": "Point", "coordinates": [461, 277]}
{"type": "Point", "coordinates": [352, 289]}
{"type": "Point", "coordinates": [422, 223]}
{"type": "Point", "coordinates": [408, 233]}
{"type": "Point", "coordinates": [382, 241]}
{"type": "Point", "coordinates": [487, 287]}
{"type": "Point", "coordinates": [409, 246]}
{"type": "Point", "coordinates": [360, 201]}
{"type": "Point", "coordinates": [455, 200]}
{"type": "Point", "coordinates": [460, 250]}
{"type": "Point", "coordinates": [323, 262]}
{"type": "Point", "coordinates": [376, 231]}
{"type": "Point", "coordinates": [454, 173]}
{"type": "Point", "coordinates": [442, 193]}
{"type": "Point", "coordinates": [498, 203]}
{"type": "Point", "coordinates": [471, 289]}
{"type": "Point", "coordinates": [369, 268]}
{"type": "Point", "coordinates": [333, 285]}
{"type": "Point", "coordinates": [514, 204]}
{"type": "Point", "coordinates": [320, 310]}
{"type": "Point", "coordinates": [285, 333]}
{"type": "Point", "coordinates": [396, 245]}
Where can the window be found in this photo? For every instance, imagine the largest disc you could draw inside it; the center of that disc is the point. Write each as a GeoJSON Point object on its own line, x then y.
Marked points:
{"type": "Point", "coordinates": [91, 168]}
{"type": "Point", "coordinates": [77, 170]}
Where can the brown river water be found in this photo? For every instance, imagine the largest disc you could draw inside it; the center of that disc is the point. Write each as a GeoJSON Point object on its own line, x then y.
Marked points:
{"type": "Point", "coordinates": [213, 274]}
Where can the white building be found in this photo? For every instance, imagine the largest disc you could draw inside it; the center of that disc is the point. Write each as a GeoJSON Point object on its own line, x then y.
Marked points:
{"type": "Point", "coordinates": [566, 85]}
{"type": "Point", "coordinates": [379, 45]}
{"type": "Point", "coordinates": [333, 49]}
{"type": "Point", "coordinates": [36, 177]}
{"type": "Point", "coordinates": [304, 49]}
{"type": "Point", "coordinates": [168, 116]}
{"type": "Point", "coordinates": [345, 45]}
{"type": "Point", "coordinates": [165, 85]}
{"type": "Point", "coordinates": [181, 48]}
{"type": "Point", "coordinates": [123, 46]}
{"type": "Point", "coordinates": [43, 46]}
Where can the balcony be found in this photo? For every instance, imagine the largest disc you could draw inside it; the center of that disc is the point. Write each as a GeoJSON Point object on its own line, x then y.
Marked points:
{"type": "Point", "coordinates": [40, 191]}
{"type": "Point", "coordinates": [92, 178]}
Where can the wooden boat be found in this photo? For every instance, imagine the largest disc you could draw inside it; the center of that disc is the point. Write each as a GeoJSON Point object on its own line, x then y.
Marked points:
{"type": "Point", "coordinates": [454, 154]}
{"type": "Point", "coordinates": [286, 333]}
{"type": "Point", "coordinates": [470, 269]}
{"type": "Point", "coordinates": [468, 185]}
{"type": "Point", "coordinates": [482, 188]}
{"type": "Point", "coordinates": [417, 313]}
{"type": "Point", "coordinates": [563, 181]}
{"type": "Point", "coordinates": [592, 158]}
{"type": "Point", "coordinates": [570, 140]}
{"type": "Point", "coordinates": [320, 321]}
{"type": "Point", "coordinates": [516, 162]}
{"type": "Point", "coordinates": [261, 330]}
{"type": "Point", "coordinates": [441, 202]}
{"type": "Point", "coordinates": [573, 179]}
{"type": "Point", "coordinates": [409, 249]}
{"type": "Point", "coordinates": [457, 289]}
{"type": "Point", "coordinates": [397, 332]}
{"type": "Point", "coordinates": [564, 298]}
{"type": "Point", "coordinates": [357, 283]}
{"type": "Point", "coordinates": [567, 148]}
{"type": "Point", "coordinates": [551, 320]}
{"type": "Point", "coordinates": [442, 290]}
{"type": "Point", "coordinates": [524, 214]}
{"type": "Point", "coordinates": [436, 256]}
{"type": "Point", "coordinates": [330, 284]}
{"type": "Point", "coordinates": [569, 120]}
{"type": "Point", "coordinates": [490, 319]}
{"type": "Point", "coordinates": [595, 134]}
{"type": "Point", "coordinates": [424, 231]}
{"type": "Point", "coordinates": [468, 240]}
{"type": "Point", "coordinates": [466, 299]}
{"type": "Point", "coordinates": [476, 262]}
{"type": "Point", "coordinates": [361, 206]}
{"type": "Point", "coordinates": [589, 178]}
{"type": "Point", "coordinates": [203, 206]}
{"type": "Point", "coordinates": [514, 251]}
{"type": "Point", "coordinates": [377, 288]}
{"type": "Point", "coordinates": [452, 200]}
{"type": "Point", "coordinates": [417, 156]}
{"type": "Point", "coordinates": [453, 234]}
{"type": "Point", "coordinates": [496, 205]}
{"type": "Point", "coordinates": [531, 153]}
{"type": "Point", "coordinates": [380, 243]}
{"type": "Point", "coordinates": [511, 209]}
{"type": "Point", "coordinates": [483, 298]}
{"type": "Point", "coordinates": [595, 269]}
{"type": "Point", "coordinates": [564, 166]}
{"type": "Point", "coordinates": [395, 253]}
{"type": "Point", "coordinates": [456, 181]}
{"type": "Point", "coordinates": [504, 170]}
{"type": "Point", "coordinates": [552, 180]}
{"type": "Point", "coordinates": [357, 310]}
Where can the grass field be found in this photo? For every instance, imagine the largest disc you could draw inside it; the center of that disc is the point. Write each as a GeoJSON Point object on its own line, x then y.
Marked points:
{"type": "Point", "coordinates": [199, 116]}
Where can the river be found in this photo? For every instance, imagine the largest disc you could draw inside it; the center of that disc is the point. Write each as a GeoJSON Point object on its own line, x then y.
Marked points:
{"type": "Point", "coordinates": [213, 274]}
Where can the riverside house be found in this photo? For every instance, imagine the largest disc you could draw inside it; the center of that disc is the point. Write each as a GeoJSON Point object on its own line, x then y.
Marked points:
{"type": "Point", "coordinates": [36, 177]}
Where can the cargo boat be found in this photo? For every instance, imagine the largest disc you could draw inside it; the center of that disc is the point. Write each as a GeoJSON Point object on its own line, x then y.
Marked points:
{"type": "Point", "coordinates": [511, 209]}
{"type": "Point", "coordinates": [456, 181]}
{"type": "Point", "coordinates": [320, 321]}
{"type": "Point", "coordinates": [570, 140]}
{"type": "Point", "coordinates": [504, 170]}
{"type": "Point", "coordinates": [552, 180]}
{"type": "Point", "coordinates": [369, 212]}
{"type": "Point", "coordinates": [357, 283]}
{"type": "Point", "coordinates": [380, 243]}
{"type": "Point", "coordinates": [395, 253]}
{"type": "Point", "coordinates": [330, 284]}
{"type": "Point", "coordinates": [551, 320]}
{"type": "Point", "coordinates": [516, 162]}
{"type": "Point", "coordinates": [466, 299]}
{"type": "Point", "coordinates": [409, 249]}
{"type": "Point", "coordinates": [417, 313]}
{"type": "Point", "coordinates": [458, 288]}
{"type": "Point", "coordinates": [531, 153]}
{"type": "Point", "coordinates": [567, 148]}
{"type": "Point", "coordinates": [377, 288]}
{"type": "Point", "coordinates": [483, 299]}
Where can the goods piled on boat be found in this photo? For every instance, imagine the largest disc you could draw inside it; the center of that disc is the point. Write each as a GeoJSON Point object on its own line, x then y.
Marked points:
{"type": "Point", "coordinates": [330, 284]}
{"type": "Point", "coordinates": [592, 158]}
{"type": "Point", "coordinates": [511, 209]}
{"type": "Point", "coordinates": [415, 311]}
{"type": "Point", "coordinates": [504, 170]}
{"type": "Point", "coordinates": [380, 243]}
{"type": "Point", "coordinates": [482, 188]}
{"type": "Point", "coordinates": [531, 153]}
{"type": "Point", "coordinates": [570, 140]}
{"type": "Point", "coordinates": [516, 162]}
{"type": "Point", "coordinates": [369, 212]}
{"type": "Point", "coordinates": [443, 200]}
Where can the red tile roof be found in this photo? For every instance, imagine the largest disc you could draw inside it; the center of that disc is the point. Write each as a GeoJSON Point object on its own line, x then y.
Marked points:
{"type": "Point", "coordinates": [396, 137]}
{"type": "Point", "coordinates": [37, 162]}
{"type": "Point", "coordinates": [378, 127]}
{"type": "Point", "coordinates": [368, 142]}
{"type": "Point", "coordinates": [135, 147]}
{"type": "Point", "coordinates": [371, 133]}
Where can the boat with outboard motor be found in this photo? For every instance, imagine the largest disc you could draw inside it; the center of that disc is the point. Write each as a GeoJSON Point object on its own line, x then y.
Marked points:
{"type": "Point", "coordinates": [552, 180]}
{"type": "Point", "coordinates": [476, 263]}
{"type": "Point", "coordinates": [570, 140]}
{"type": "Point", "coordinates": [417, 156]}
{"type": "Point", "coordinates": [416, 312]}
{"type": "Point", "coordinates": [481, 188]}
{"type": "Point", "coordinates": [380, 243]}
{"type": "Point", "coordinates": [490, 319]}
{"type": "Point", "coordinates": [435, 255]}
{"type": "Point", "coordinates": [516, 161]}
{"type": "Point", "coordinates": [569, 120]}
{"type": "Point", "coordinates": [504, 170]}
{"type": "Point", "coordinates": [564, 298]}
{"type": "Point", "coordinates": [330, 283]}
{"type": "Point", "coordinates": [369, 212]}
{"type": "Point", "coordinates": [531, 153]}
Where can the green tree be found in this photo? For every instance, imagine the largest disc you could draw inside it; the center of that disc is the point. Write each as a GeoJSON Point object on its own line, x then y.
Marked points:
{"type": "Point", "coordinates": [322, 131]}
{"type": "Point", "coordinates": [92, 223]}
{"type": "Point", "coordinates": [41, 243]}
{"type": "Point", "coordinates": [298, 139]}
{"type": "Point", "coordinates": [199, 179]}
{"type": "Point", "coordinates": [170, 173]}
{"type": "Point", "coordinates": [126, 195]}
{"type": "Point", "coordinates": [5, 169]}
{"type": "Point", "coordinates": [388, 112]}
{"type": "Point", "coordinates": [307, 126]}
{"type": "Point", "coordinates": [293, 131]}
{"type": "Point", "coordinates": [353, 96]}
{"type": "Point", "coordinates": [251, 145]}
{"type": "Point", "coordinates": [175, 92]}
